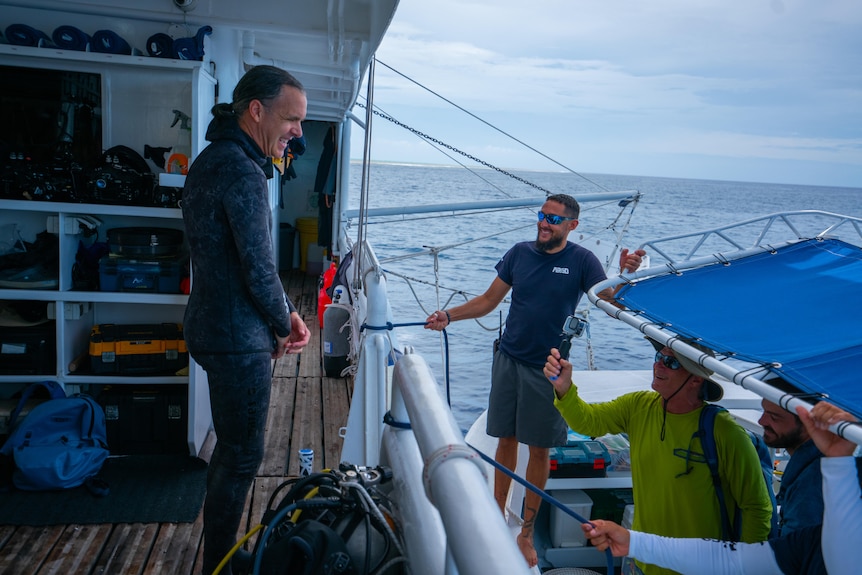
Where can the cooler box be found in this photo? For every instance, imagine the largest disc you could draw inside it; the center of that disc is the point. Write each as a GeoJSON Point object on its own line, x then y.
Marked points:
{"type": "Point", "coordinates": [138, 349]}
{"type": "Point", "coordinates": [610, 503]}
{"type": "Point", "coordinates": [146, 419]}
{"type": "Point", "coordinates": [29, 350]}
{"type": "Point", "coordinates": [153, 275]}
{"type": "Point", "coordinates": [565, 529]}
{"type": "Point", "coordinates": [144, 242]}
{"type": "Point", "coordinates": [580, 459]}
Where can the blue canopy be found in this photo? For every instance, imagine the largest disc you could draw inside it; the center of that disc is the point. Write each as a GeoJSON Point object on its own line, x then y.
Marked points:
{"type": "Point", "coordinates": [797, 308]}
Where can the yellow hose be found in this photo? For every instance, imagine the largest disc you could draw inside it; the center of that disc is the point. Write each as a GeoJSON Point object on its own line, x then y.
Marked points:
{"type": "Point", "coordinates": [235, 548]}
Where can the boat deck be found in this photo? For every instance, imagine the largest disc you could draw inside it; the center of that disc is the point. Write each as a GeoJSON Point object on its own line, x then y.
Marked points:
{"type": "Point", "coordinates": [306, 410]}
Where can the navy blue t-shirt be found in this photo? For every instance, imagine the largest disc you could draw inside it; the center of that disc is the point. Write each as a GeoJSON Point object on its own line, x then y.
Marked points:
{"type": "Point", "coordinates": [546, 288]}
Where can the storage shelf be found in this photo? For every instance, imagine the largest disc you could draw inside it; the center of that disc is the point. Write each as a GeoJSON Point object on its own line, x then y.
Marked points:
{"type": "Point", "coordinates": [137, 97]}
{"type": "Point", "coordinates": [95, 296]}
{"type": "Point", "coordinates": [92, 209]}
{"type": "Point", "coordinates": [612, 481]}
{"type": "Point", "coordinates": [115, 379]}
{"type": "Point", "coordinates": [100, 58]}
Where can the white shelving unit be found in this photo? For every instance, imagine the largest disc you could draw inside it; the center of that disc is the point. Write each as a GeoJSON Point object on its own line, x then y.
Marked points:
{"type": "Point", "coordinates": [138, 96]}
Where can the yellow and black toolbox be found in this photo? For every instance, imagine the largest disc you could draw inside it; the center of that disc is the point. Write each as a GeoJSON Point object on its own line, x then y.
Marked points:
{"type": "Point", "coordinates": [138, 349]}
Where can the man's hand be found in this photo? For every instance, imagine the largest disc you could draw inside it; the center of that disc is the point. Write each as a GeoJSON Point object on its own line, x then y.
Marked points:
{"type": "Point", "coordinates": [630, 262]}
{"type": "Point", "coordinates": [296, 341]}
{"type": "Point", "coordinates": [438, 321]}
{"type": "Point", "coordinates": [559, 372]}
{"type": "Point", "coordinates": [817, 424]}
{"type": "Point", "coordinates": [607, 534]}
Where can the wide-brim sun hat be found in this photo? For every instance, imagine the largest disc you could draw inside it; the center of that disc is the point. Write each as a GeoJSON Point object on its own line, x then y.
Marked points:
{"type": "Point", "coordinates": [711, 391]}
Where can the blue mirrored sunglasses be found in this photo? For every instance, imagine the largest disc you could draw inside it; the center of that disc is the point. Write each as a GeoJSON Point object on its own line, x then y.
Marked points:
{"type": "Point", "coordinates": [553, 219]}
{"type": "Point", "coordinates": [668, 361]}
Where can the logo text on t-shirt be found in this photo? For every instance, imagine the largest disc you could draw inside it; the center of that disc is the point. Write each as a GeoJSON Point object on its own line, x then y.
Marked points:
{"type": "Point", "coordinates": [559, 270]}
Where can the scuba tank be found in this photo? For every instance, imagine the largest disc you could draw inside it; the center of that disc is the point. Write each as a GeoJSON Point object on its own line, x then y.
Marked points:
{"type": "Point", "coordinates": [336, 341]}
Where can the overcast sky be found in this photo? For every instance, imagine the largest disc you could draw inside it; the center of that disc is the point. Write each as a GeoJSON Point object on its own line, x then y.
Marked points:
{"type": "Point", "coordinates": [746, 90]}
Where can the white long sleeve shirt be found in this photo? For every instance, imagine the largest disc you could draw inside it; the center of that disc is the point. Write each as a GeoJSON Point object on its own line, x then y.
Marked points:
{"type": "Point", "coordinates": [798, 552]}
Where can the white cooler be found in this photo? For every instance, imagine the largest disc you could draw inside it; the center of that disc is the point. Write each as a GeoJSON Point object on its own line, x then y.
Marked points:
{"type": "Point", "coordinates": [565, 530]}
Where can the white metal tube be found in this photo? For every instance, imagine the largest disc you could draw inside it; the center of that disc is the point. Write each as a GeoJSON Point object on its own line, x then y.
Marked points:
{"type": "Point", "coordinates": [481, 205]}
{"type": "Point", "coordinates": [421, 528]}
{"type": "Point", "coordinates": [478, 538]}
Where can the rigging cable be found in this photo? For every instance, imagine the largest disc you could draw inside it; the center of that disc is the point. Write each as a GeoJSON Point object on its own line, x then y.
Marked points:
{"type": "Point", "coordinates": [471, 114]}
{"type": "Point", "coordinates": [453, 148]}
{"type": "Point", "coordinates": [366, 178]}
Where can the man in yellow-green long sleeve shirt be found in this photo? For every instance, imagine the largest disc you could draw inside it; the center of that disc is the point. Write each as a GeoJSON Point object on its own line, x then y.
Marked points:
{"type": "Point", "coordinates": [672, 486]}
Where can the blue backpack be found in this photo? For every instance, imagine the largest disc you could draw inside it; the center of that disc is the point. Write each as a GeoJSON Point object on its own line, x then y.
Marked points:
{"type": "Point", "coordinates": [706, 431]}
{"type": "Point", "coordinates": [61, 443]}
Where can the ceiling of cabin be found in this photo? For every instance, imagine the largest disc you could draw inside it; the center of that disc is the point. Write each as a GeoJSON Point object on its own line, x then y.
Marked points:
{"type": "Point", "coordinates": [326, 44]}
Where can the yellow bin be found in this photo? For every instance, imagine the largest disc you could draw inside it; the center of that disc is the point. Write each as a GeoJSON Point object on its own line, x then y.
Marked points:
{"type": "Point", "coordinates": [307, 228]}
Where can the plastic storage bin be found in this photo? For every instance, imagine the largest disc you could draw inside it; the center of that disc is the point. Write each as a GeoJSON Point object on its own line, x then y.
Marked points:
{"type": "Point", "coordinates": [565, 530]}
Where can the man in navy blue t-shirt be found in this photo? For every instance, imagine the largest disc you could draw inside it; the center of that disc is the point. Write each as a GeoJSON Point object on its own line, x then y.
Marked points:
{"type": "Point", "coordinates": [547, 277]}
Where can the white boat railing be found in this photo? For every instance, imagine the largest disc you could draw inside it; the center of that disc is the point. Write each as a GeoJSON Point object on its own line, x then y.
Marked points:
{"type": "Point", "coordinates": [759, 231]}
{"type": "Point", "coordinates": [534, 202]}
{"type": "Point", "coordinates": [476, 536]}
{"type": "Point", "coordinates": [449, 520]}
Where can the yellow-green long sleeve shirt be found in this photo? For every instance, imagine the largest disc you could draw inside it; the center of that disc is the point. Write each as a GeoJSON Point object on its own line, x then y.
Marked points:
{"type": "Point", "coordinates": [668, 501]}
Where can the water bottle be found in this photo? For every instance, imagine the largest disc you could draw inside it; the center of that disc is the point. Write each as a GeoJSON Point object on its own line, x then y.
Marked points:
{"type": "Point", "coordinates": [336, 341]}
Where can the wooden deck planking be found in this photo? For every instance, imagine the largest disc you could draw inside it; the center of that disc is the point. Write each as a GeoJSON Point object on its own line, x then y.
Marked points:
{"type": "Point", "coordinates": [127, 548]}
{"type": "Point", "coordinates": [278, 425]}
{"type": "Point", "coordinates": [336, 401]}
{"type": "Point", "coordinates": [307, 428]}
{"type": "Point", "coordinates": [305, 410]}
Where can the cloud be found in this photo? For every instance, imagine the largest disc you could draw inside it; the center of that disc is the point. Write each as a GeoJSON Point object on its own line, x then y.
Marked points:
{"type": "Point", "coordinates": [624, 84]}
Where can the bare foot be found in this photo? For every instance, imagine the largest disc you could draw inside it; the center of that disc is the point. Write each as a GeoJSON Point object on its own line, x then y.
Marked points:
{"type": "Point", "coordinates": [525, 544]}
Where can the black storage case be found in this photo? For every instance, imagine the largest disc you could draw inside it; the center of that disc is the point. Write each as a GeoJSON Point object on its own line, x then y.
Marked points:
{"type": "Point", "coordinates": [29, 350]}
{"type": "Point", "coordinates": [151, 275]}
{"type": "Point", "coordinates": [146, 419]}
{"type": "Point", "coordinates": [145, 242]}
{"type": "Point", "coordinates": [138, 349]}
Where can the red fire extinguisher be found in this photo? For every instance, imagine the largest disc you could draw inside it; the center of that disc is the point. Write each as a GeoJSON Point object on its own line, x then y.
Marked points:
{"type": "Point", "coordinates": [322, 298]}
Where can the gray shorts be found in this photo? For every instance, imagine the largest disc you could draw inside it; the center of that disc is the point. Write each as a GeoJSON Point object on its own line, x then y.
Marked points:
{"type": "Point", "coordinates": [521, 404]}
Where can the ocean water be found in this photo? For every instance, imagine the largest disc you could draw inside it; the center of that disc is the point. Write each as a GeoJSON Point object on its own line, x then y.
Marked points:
{"type": "Point", "coordinates": [468, 246]}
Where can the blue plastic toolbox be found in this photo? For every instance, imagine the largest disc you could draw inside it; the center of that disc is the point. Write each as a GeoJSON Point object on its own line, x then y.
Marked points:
{"type": "Point", "coordinates": [153, 275]}
{"type": "Point", "coordinates": [580, 459]}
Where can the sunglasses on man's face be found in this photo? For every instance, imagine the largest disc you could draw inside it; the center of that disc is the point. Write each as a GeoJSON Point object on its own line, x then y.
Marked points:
{"type": "Point", "coordinates": [553, 219]}
{"type": "Point", "coordinates": [668, 361]}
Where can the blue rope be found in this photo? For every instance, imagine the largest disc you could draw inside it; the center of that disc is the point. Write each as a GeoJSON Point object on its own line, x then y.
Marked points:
{"type": "Point", "coordinates": [551, 500]}
{"type": "Point", "coordinates": [390, 326]}
{"type": "Point", "coordinates": [391, 421]}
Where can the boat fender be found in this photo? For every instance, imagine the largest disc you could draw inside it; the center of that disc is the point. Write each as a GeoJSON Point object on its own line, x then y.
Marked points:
{"type": "Point", "coordinates": [336, 335]}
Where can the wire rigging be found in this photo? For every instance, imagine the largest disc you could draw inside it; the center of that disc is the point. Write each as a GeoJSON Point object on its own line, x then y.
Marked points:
{"type": "Point", "coordinates": [472, 115]}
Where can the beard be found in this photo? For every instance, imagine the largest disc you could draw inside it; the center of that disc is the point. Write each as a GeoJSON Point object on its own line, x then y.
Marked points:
{"type": "Point", "coordinates": [554, 242]}
{"type": "Point", "coordinates": [791, 439]}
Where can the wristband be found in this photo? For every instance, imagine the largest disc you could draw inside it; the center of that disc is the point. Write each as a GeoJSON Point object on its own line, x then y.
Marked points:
{"type": "Point", "coordinates": [448, 317]}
